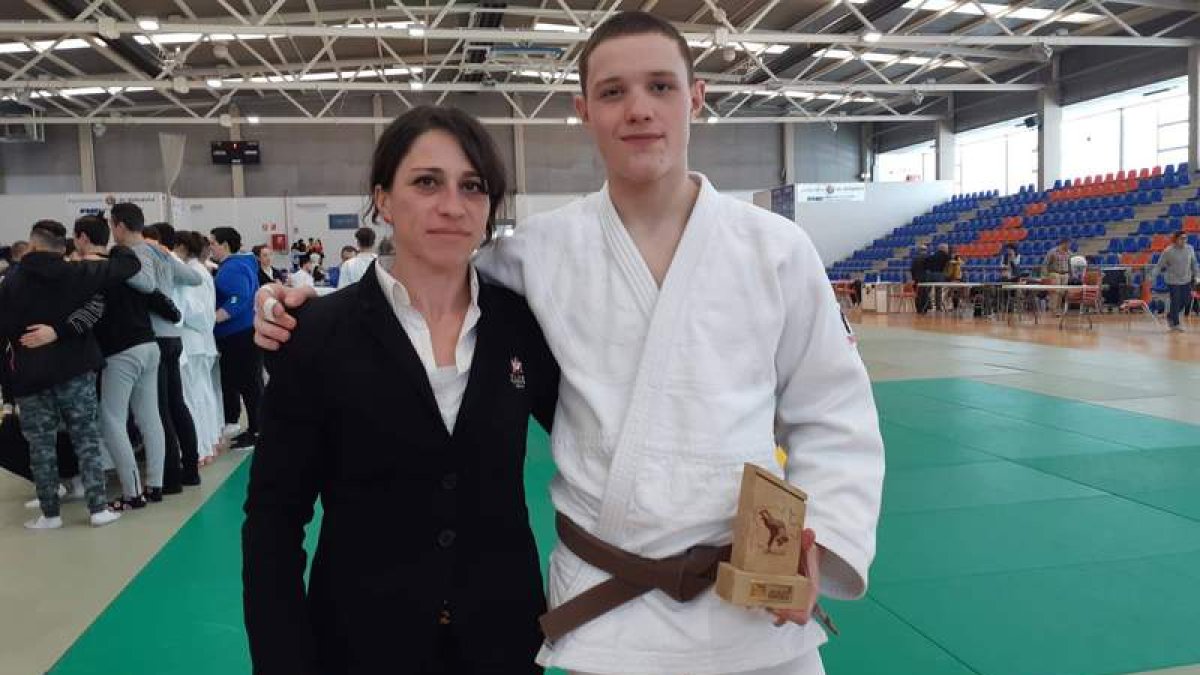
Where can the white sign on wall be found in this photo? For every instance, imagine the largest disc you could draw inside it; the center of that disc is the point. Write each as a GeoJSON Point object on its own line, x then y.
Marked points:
{"type": "Point", "coordinates": [153, 204]}
{"type": "Point", "coordinates": [831, 192]}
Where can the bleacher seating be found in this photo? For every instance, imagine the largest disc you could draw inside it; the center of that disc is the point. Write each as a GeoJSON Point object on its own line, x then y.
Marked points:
{"type": "Point", "coordinates": [1081, 210]}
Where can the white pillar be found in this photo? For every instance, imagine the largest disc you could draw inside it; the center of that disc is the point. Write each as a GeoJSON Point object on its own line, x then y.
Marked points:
{"type": "Point", "coordinates": [377, 112]}
{"type": "Point", "coordinates": [943, 143]}
{"type": "Point", "coordinates": [789, 153]}
{"type": "Point", "coordinates": [87, 159]}
{"type": "Point", "coordinates": [519, 158]}
{"type": "Point", "coordinates": [1193, 108]}
{"type": "Point", "coordinates": [235, 134]}
{"type": "Point", "coordinates": [866, 152]}
{"type": "Point", "coordinates": [943, 148]}
{"type": "Point", "coordinates": [1050, 131]}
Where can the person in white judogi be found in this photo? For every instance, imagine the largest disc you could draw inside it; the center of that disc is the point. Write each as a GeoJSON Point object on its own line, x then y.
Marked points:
{"type": "Point", "coordinates": [694, 333]}
{"type": "Point", "coordinates": [352, 271]}
{"type": "Point", "coordinates": [201, 390]}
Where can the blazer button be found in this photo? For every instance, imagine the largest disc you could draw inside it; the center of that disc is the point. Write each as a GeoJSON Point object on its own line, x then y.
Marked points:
{"type": "Point", "coordinates": [450, 481]}
{"type": "Point", "coordinates": [446, 538]}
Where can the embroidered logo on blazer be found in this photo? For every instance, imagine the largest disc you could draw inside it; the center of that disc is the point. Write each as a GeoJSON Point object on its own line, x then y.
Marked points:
{"type": "Point", "coordinates": [517, 373]}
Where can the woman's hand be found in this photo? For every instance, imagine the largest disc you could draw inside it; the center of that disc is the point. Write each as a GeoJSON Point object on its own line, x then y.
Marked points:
{"type": "Point", "coordinates": [38, 335]}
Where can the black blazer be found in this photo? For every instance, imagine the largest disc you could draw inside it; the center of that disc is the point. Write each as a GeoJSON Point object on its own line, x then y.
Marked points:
{"type": "Point", "coordinates": [416, 521]}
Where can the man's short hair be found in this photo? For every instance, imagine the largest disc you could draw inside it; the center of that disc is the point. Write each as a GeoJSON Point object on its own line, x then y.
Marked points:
{"type": "Point", "coordinates": [365, 237]}
{"type": "Point", "coordinates": [49, 234]}
{"type": "Point", "coordinates": [18, 249]}
{"type": "Point", "coordinates": [95, 228]}
{"type": "Point", "coordinates": [166, 234]}
{"type": "Point", "coordinates": [130, 215]}
{"type": "Point", "coordinates": [229, 237]}
{"type": "Point", "coordinates": [633, 23]}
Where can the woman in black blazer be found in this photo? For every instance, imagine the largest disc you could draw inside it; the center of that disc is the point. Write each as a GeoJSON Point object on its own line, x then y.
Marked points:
{"type": "Point", "coordinates": [426, 562]}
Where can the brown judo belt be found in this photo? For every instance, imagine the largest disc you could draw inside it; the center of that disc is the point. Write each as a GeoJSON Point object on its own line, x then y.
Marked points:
{"type": "Point", "coordinates": [682, 577]}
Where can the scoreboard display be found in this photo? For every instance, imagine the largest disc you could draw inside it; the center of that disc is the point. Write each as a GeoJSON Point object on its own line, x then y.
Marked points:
{"type": "Point", "coordinates": [235, 152]}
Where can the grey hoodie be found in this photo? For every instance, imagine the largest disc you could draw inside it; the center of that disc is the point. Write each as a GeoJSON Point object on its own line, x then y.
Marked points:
{"type": "Point", "coordinates": [1178, 265]}
{"type": "Point", "coordinates": [162, 271]}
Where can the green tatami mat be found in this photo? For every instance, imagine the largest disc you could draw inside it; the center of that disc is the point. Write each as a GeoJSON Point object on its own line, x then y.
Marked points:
{"type": "Point", "coordinates": [976, 484]}
{"type": "Point", "coordinates": [1116, 426]}
{"type": "Point", "coordinates": [1091, 619]}
{"type": "Point", "coordinates": [1125, 473]}
{"type": "Point", "coordinates": [874, 640]}
{"type": "Point", "coordinates": [908, 448]}
{"type": "Point", "coordinates": [1021, 534]}
{"type": "Point", "coordinates": [1004, 436]}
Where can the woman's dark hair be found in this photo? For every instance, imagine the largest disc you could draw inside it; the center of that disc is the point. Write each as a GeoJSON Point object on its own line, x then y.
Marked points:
{"type": "Point", "coordinates": [193, 242]}
{"type": "Point", "coordinates": [476, 143]}
{"type": "Point", "coordinates": [257, 250]}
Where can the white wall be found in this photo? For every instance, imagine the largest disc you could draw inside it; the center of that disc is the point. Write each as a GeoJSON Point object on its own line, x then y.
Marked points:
{"type": "Point", "coordinates": [256, 218]}
{"type": "Point", "coordinates": [19, 212]}
{"type": "Point", "coordinates": [839, 228]}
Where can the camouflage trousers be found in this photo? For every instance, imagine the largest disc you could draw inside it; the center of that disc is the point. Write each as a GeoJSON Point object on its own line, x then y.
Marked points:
{"type": "Point", "coordinates": [74, 402]}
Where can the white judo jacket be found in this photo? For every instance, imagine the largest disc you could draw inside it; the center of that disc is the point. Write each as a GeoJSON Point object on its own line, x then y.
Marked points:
{"type": "Point", "coordinates": [667, 391]}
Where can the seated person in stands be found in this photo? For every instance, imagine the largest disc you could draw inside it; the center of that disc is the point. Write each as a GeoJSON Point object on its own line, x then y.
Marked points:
{"type": "Point", "coordinates": [917, 270]}
{"type": "Point", "coordinates": [1012, 264]}
{"type": "Point", "coordinates": [1058, 262]}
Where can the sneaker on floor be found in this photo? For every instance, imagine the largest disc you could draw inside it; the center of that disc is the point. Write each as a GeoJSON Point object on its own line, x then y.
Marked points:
{"type": "Point", "coordinates": [102, 518]}
{"type": "Point", "coordinates": [245, 441]}
{"type": "Point", "coordinates": [230, 430]}
{"type": "Point", "coordinates": [1176, 329]}
{"type": "Point", "coordinates": [44, 523]}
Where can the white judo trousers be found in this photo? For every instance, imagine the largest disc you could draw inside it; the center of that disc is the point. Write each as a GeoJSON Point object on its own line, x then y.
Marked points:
{"type": "Point", "coordinates": [201, 388]}
{"type": "Point", "coordinates": [667, 391]}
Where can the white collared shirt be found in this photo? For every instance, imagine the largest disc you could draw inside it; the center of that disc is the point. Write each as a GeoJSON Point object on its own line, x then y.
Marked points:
{"type": "Point", "coordinates": [300, 279]}
{"type": "Point", "coordinates": [352, 270]}
{"type": "Point", "coordinates": [449, 383]}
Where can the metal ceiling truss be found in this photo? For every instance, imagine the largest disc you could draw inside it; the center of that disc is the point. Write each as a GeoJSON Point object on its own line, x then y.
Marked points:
{"type": "Point", "coordinates": [852, 63]}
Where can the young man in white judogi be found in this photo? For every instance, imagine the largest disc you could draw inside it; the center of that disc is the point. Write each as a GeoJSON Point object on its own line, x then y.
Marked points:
{"type": "Point", "coordinates": [694, 333]}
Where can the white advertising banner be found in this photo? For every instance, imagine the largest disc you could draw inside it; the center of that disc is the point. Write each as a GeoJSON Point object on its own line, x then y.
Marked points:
{"type": "Point", "coordinates": [153, 204]}
{"type": "Point", "coordinates": [830, 192]}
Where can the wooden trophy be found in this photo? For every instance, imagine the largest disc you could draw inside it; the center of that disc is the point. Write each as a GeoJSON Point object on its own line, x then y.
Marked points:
{"type": "Point", "coordinates": [763, 570]}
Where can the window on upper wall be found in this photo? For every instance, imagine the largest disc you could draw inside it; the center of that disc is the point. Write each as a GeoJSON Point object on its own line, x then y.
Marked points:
{"type": "Point", "coordinates": [914, 163]}
{"type": "Point", "coordinates": [1092, 145]}
{"type": "Point", "coordinates": [1152, 130]}
{"type": "Point", "coordinates": [1139, 136]}
{"type": "Point", "coordinates": [1022, 159]}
